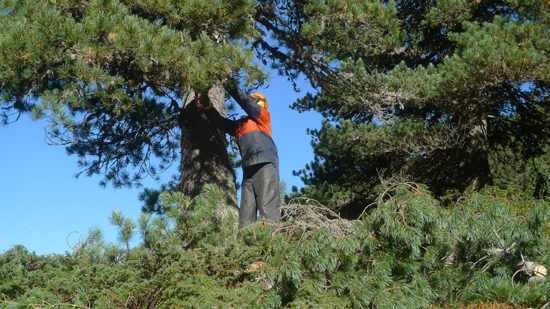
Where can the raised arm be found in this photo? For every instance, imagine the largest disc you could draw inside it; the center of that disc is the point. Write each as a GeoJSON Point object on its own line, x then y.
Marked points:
{"type": "Point", "coordinates": [222, 123]}
{"type": "Point", "coordinates": [248, 104]}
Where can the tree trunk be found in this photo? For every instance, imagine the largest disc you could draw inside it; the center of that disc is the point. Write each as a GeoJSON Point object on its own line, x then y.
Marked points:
{"type": "Point", "coordinates": [204, 156]}
{"type": "Point", "coordinates": [474, 170]}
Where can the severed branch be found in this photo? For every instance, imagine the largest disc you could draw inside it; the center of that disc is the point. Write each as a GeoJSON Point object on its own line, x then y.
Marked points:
{"type": "Point", "coordinates": [535, 271]}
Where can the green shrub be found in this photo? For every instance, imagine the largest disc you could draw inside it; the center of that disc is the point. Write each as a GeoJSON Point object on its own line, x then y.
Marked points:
{"type": "Point", "coordinates": [407, 251]}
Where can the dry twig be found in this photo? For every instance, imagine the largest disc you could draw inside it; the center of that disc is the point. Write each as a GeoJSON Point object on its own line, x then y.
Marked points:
{"type": "Point", "coordinates": [307, 215]}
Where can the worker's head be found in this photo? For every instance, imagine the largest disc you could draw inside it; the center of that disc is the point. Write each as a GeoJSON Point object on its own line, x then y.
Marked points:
{"type": "Point", "coordinates": [260, 99]}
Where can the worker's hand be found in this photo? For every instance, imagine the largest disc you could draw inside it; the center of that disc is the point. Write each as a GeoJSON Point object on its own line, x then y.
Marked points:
{"type": "Point", "coordinates": [204, 100]}
{"type": "Point", "coordinates": [227, 80]}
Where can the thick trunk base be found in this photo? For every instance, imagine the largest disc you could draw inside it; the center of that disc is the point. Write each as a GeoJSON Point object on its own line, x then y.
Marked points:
{"type": "Point", "coordinates": [204, 156]}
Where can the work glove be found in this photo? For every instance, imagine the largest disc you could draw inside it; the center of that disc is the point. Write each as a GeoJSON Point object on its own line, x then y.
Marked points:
{"type": "Point", "coordinates": [203, 100]}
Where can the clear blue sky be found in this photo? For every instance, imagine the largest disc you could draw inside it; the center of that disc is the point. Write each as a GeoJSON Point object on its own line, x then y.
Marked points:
{"type": "Point", "coordinates": [47, 210]}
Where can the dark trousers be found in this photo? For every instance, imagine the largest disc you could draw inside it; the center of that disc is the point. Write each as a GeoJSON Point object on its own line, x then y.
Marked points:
{"type": "Point", "coordinates": [259, 191]}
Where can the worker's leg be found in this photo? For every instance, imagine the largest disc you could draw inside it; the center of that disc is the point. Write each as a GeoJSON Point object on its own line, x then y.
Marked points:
{"type": "Point", "coordinates": [266, 187]}
{"type": "Point", "coordinates": [248, 209]}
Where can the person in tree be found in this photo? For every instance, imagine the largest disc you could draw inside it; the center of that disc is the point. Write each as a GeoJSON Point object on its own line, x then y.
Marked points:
{"type": "Point", "coordinates": [260, 160]}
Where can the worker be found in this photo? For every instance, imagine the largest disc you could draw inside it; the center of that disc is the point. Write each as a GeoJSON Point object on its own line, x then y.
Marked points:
{"type": "Point", "coordinates": [260, 160]}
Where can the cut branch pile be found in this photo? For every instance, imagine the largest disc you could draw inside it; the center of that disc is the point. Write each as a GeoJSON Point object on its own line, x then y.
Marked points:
{"type": "Point", "coordinates": [307, 215]}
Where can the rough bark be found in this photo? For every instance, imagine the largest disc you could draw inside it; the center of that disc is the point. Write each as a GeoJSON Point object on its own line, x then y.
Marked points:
{"type": "Point", "coordinates": [204, 156]}
{"type": "Point", "coordinates": [474, 170]}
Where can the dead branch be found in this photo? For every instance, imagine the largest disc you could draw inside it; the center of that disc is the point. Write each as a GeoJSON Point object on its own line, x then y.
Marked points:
{"type": "Point", "coordinates": [307, 215]}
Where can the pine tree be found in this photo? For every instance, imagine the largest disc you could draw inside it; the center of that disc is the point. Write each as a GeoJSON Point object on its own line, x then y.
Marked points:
{"type": "Point", "coordinates": [408, 252]}
{"type": "Point", "coordinates": [419, 90]}
{"type": "Point", "coordinates": [117, 82]}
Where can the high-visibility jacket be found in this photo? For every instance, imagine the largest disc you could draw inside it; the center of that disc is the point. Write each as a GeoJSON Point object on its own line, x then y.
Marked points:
{"type": "Point", "coordinates": [252, 132]}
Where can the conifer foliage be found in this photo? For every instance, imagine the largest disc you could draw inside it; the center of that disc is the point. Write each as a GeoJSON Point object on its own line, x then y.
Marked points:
{"type": "Point", "coordinates": [116, 80]}
{"type": "Point", "coordinates": [433, 91]}
{"type": "Point", "coordinates": [408, 252]}
{"type": "Point", "coordinates": [441, 92]}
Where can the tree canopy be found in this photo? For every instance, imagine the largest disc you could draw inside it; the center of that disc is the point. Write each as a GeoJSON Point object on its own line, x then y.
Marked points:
{"type": "Point", "coordinates": [438, 92]}
{"type": "Point", "coordinates": [115, 79]}
{"type": "Point", "coordinates": [431, 91]}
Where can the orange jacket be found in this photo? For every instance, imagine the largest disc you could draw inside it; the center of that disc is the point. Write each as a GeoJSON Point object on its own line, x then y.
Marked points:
{"type": "Point", "coordinates": [252, 132]}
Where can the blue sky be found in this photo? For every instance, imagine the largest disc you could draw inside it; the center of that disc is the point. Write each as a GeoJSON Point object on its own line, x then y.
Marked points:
{"type": "Point", "coordinates": [47, 210]}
